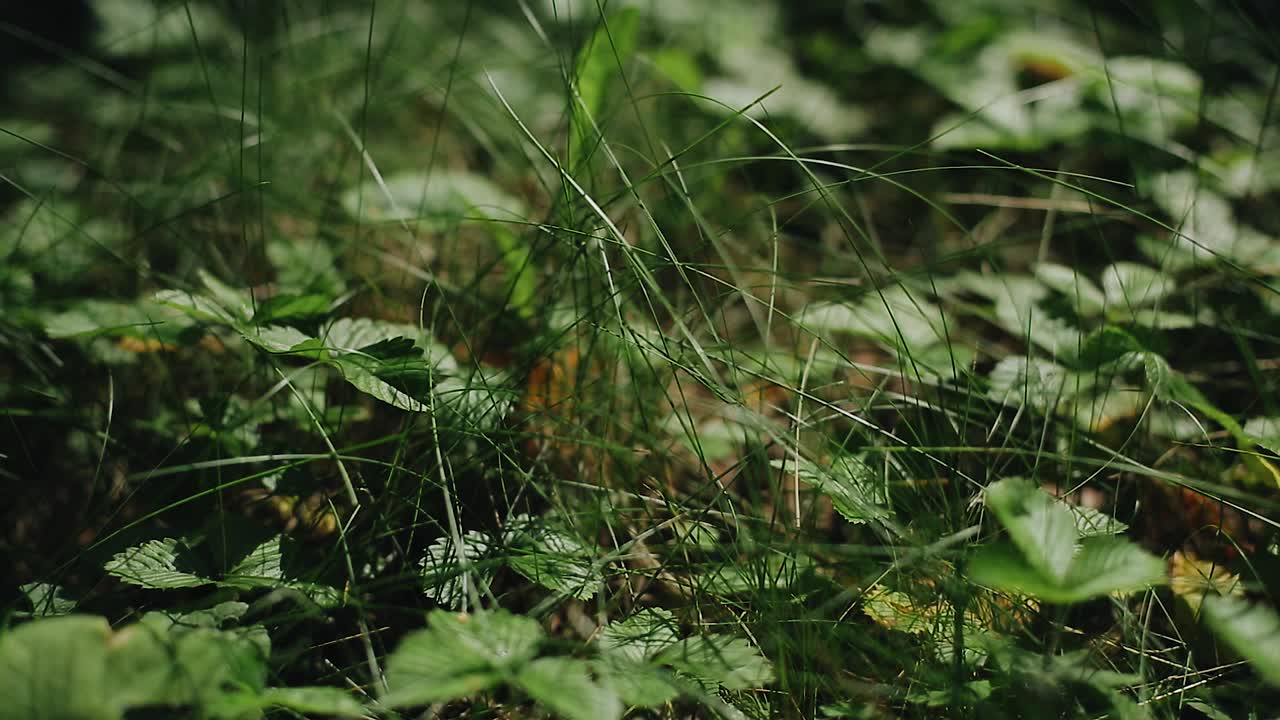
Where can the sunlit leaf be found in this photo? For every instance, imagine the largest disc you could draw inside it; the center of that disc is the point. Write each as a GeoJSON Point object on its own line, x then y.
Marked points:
{"type": "Point", "coordinates": [154, 564]}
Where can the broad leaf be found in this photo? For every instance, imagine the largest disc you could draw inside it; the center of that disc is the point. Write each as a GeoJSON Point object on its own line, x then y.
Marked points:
{"type": "Point", "coordinates": [328, 701]}
{"type": "Point", "coordinates": [1041, 527]}
{"type": "Point", "coordinates": [600, 61]}
{"type": "Point", "coordinates": [155, 564]}
{"type": "Point", "coordinates": [1253, 630]}
{"type": "Point", "coordinates": [433, 201]}
{"type": "Point", "coordinates": [57, 668]}
{"type": "Point", "coordinates": [728, 661]}
{"type": "Point", "coordinates": [565, 686]}
{"type": "Point", "coordinates": [1128, 286]}
{"type": "Point", "coordinates": [553, 559]}
{"type": "Point", "coordinates": [1088, 299]}
{"type": "Point", "coordinates": [458, 655]}
{"type": "Point", "coordinates": [855, 490]}
{"type": "Point", "coordinates": [641, 636]}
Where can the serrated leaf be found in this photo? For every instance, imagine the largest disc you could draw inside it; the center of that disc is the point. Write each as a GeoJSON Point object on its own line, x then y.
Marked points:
{"type": "Point", "coordinates": [637, 683]}
{"type": "Point", "coordinates": [264, 567]}
{"type": "Point", "coordinates": [286, 308]}
{"type": "Point", "coordinates": [1130, 286]}
{"type": "Point", "coordinates": [57, 668]}
{"type": "Point", "coordinates": [1042, 384]}
{"type": "Point", "coordinates": [352, 335]}
{"type": "Point", "coordinates": [565, 686]}
{"type": "Point", "coordinates": [553, 559]}
{"type": "Point", "coordinates": [1091, 521]}
{"type": "Point", "coordinates": [1041, 527]}
{"type": "Point", "coordinates": [160, 661]}
{"type": "Point", "coordinates": [154, 565]}
{"type": "Point", "coordinates": [47, 599]}
{"type": "Point", "coordinates": [1251, 629]}
{"type": "Point", "coordinates": [315, 700]}
{"type": "Point", "coordinates": [641, 636]}
{"type": "Point", "coordinates": [892, 316]}
{"type": "Point", "coordinates": [458, 655]}
{"type": "Point", "coordinates": [281, 339]}
{"type": "Point", "coordinates": [197, 306]}
{"type": "Point", "coordinates": [444, 580]}
{"type": "Point", "coordinates": [1107, 564]}
{"type": "Point", "coordinates": [432, 202]}
{"type": "Point", "coordinates": [855, 490]}
{"type": "Point", "coordinates": [1088, 299]}
{"type": "Point", "coordinates": [731, 662]}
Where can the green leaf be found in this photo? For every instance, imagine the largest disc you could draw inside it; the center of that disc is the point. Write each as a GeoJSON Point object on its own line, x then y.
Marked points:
{"type": "Point", "coordinates": [565, 686]}
{"type": "Point", "coordinates": [1041, 384]}
{"type": "Point", "coordinates": [1107, 564]}
{"type": "Point", "coordinates": [1041, 527]}
{"type": "Point", "coordinates": [1252, 630]}
{"type": "Point", "coordinates": [728, 661]}
{"type": "Point", "coordinates": [154, 564]}
{"type": "Point", "coordinates": [855, 490]}
{"type": "Point", "coordinates": [636, 682]}
{"type": "Point", "coordinates": [47, 599]}
{"type": "Point", "coordinates": [280, 339]}
{"type": "Point", "coordinates": [599, 62]}
{"type": "Point", "coordinates": [161, 661]}
{"type": "Point", "coordinates": [1091, 521]}
{"type": "Point", "coordinates": [641, 636]}
{"type": "Point", "coordinates": [1130, 285]}
{"type": "Point", "coordinates": [265, 567]}
{"type": "Point", "coordinates": [432, 202]}
{"type": "Point", "coordinates": [286, 308]}
{"type": "Point", "coordinates": [1089, 300]}
{"type": "Point", "coordinates": [459, 655]}
{"type": "Point", "coordinates": [553, 559]}
{"type": "Point", "coordinates": [57, 668]}
{"type": "Point", "coordinates": [197, 306]}
{"type": "Point", "coordinates": [893, 316]}
{"type": "Point", "coordinates": [445, 580]}
{"type": "Point", "coordinates": [316, 701]}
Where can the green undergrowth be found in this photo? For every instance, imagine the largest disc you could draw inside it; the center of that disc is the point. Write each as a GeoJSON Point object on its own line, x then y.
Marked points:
{"type": "Point", "coordinates": [591, 360]}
